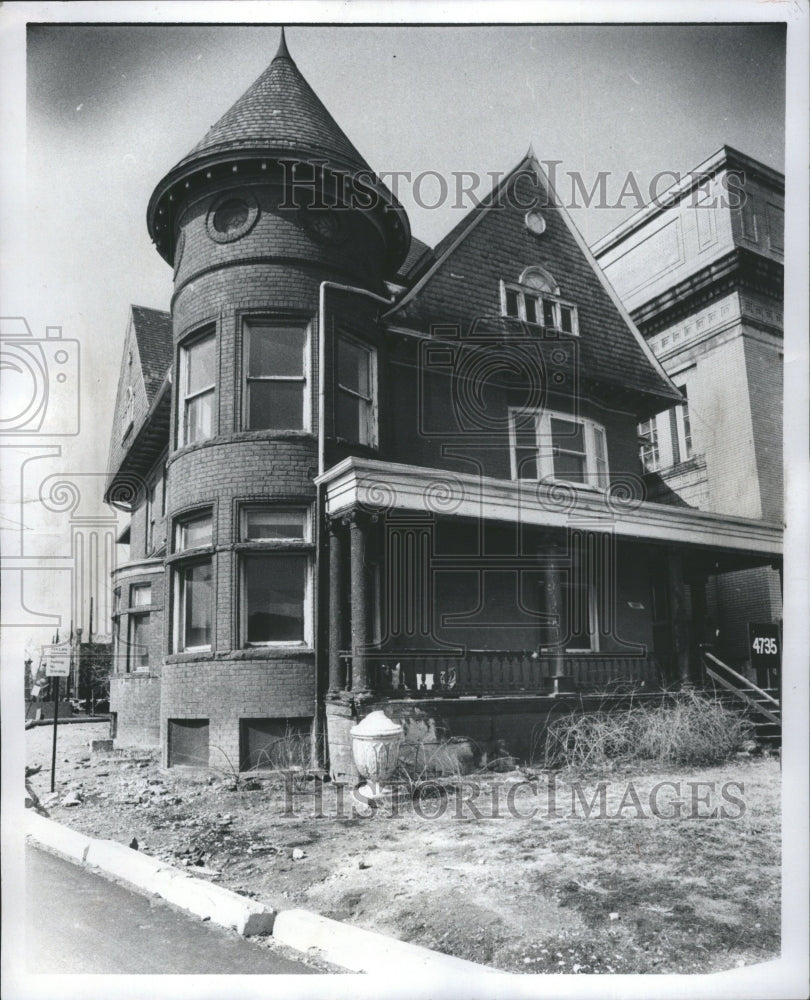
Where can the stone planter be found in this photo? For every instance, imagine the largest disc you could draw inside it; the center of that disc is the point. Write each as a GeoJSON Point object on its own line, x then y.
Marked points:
{"type": "Point", "coordinates": [375, 748]}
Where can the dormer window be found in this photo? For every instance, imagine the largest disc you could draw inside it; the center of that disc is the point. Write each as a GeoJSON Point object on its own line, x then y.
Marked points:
{"type": "Point", "coordinates": [535, 298]}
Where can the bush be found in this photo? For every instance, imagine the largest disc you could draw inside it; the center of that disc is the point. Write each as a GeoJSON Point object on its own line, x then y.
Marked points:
{"type": "Point", "coordinates": [689, 730]}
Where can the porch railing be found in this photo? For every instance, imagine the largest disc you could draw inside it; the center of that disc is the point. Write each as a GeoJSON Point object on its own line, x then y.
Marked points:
{"type": "Point", "coordinates": [501, 672]}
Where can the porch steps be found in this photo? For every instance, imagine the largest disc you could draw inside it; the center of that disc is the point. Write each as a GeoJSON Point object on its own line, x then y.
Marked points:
{"type": "Point", "coordinates": [761, 705]}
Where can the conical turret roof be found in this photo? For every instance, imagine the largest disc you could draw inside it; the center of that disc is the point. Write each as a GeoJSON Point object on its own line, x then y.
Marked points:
{"type": "Point", "coordinates": [278, 118]}
{"type": "Point", "coordinates": [280, 111]}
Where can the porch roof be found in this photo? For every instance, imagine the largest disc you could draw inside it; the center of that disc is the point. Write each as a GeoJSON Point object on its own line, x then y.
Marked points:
{"type": "Point", "coordinates": [374, 484]}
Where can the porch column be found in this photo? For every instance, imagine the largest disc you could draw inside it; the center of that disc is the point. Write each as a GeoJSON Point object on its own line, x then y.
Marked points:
{"type": "Point", "coordinates": [700, 623]}
{"type": "Point", "coordinates": [553, 602]}
{"type": "Point", "coordinates": [680, 617]}
{"type": "Point", "coordinates": [335, 606]}
{"type": "Point", "coordinates": [359, 600]}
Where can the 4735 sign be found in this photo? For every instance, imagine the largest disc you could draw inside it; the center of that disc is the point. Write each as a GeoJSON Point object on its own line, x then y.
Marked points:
{"type": "Point", "coordinates": [765, 645]}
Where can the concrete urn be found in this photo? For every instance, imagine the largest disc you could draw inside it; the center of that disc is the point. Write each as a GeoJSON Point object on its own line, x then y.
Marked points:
{"type": "Point", "coordinates": [375, 748]}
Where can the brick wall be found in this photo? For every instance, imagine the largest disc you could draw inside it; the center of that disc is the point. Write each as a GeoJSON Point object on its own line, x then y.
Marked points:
{"type": "Point", "coordinates": [226, 690]}
{"type": "Point", "coordinates": [135, 700]}
{"type": "Point", "coordinates": [274, 269]}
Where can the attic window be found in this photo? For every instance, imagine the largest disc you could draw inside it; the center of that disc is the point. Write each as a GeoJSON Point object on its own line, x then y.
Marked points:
{"type": "Point", "coordinates": [535, 299]}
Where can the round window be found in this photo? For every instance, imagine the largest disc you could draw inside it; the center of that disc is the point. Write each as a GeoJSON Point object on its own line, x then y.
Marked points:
{"type": "Point", "coordinates": [232, 217]}
{"type": "Point", "coordinates": [231, 214]}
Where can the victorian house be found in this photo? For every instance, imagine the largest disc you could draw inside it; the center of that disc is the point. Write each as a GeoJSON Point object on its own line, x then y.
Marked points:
{"type": "Point", "coordinates": [363, 472]}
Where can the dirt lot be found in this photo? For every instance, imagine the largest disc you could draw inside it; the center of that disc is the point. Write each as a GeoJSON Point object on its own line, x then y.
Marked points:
{"type": "Point", "coordinates": [507, 869]}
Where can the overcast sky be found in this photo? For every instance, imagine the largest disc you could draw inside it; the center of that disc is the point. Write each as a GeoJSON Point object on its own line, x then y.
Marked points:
{"type": "Point", "coordinates": [110, 109]}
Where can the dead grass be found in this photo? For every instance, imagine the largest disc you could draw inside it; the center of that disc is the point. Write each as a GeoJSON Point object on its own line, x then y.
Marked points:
{"type": "Point", "coordinates": [624, 890]}
{"type": "Point", "coordinates": [691, 730]}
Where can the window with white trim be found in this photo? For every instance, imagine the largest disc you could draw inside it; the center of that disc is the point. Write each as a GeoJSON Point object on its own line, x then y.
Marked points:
{"type": "Point", "coordinates": [138, 646]}
{"type": "Point", "coordinates": [276, 386]}
{"type": "Point", "coordinates": [193, 583]}
{"type": "Point", "coordinates": [355, 396]}
{"type": "Point", "coordinates": [276, 576]}
{"type": "Point", "coordinates": [648, 442]}
{"type": "Point", "coordinates": [666, 439]}
{"type": "Point", "coordinates": [535, 298]}
{"type": "Point", "coordinates": [558, 446]}
{"type": "Point", "coordinates": [197, 383]}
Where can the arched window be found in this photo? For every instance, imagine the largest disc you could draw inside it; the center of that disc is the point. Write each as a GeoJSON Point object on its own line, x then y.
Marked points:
{"type": "Point", "coordinates": [538, 279]}
{"type": "Point", "coordinates": [535, 298]}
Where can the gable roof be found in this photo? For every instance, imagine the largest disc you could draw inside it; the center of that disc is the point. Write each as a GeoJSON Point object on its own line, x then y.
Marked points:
{"type": "Point", "coordinates": [153, 334]}
{"type": "Point", "coordinates": [612, 350]}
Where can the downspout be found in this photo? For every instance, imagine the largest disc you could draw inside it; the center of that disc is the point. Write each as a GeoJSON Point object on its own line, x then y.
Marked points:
{"type": "Point", "coordinates": [320, 504]}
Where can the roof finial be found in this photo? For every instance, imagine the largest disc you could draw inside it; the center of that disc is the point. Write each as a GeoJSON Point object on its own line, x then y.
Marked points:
{"type": "Point", "coordinates": [282, 48]}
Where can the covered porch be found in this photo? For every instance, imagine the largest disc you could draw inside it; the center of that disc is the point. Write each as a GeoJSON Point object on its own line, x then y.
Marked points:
{"type": "Point", "coordinates": [445, 585]}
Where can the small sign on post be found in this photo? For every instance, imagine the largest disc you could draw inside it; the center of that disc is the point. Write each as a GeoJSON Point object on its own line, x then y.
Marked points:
{"type": "Point", "coordinates": [57, 664]}
{"type": "Point", "coordinates": [57, 661]}
{"type": "Point", "coordinates": [765, 645]}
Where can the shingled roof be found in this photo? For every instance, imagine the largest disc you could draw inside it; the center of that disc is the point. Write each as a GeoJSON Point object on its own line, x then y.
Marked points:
{"type": "Point", "coordinates": [153, 332]}
{"type": "Point", "coordinates": [279, 118]}
{"type": "Point", "coordinates": [281, 111]}
{"type": "Point", "coordinates": [491, 243]}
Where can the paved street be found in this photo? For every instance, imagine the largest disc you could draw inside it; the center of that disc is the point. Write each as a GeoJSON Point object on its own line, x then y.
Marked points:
{"type": "Point", "coordinates": [77, 921]}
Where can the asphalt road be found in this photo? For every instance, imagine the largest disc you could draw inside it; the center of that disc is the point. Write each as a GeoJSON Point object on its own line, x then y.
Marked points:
{"type": "Point", "coordinates": [77, 921]}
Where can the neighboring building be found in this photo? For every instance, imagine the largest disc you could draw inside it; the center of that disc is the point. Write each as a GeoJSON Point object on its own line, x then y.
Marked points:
{"type": "Point", "coordinates": [362, 471]}
{"type": "Point", "coordinates": [701, 273]}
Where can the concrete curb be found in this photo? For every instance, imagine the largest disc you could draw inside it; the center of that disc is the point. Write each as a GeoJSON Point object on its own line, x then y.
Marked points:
{"type": "Point", "coordinates": [364, 951]}
{"type": "Point", "coordinates": [209, 902]}
{"type": "Point", "coordinates": [344, 945]}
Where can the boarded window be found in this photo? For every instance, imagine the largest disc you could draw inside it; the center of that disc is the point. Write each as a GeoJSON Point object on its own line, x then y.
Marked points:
{"type": "Point", "coordinates": [274, 744]}
{"type": "Point", "coordinates": [188, 742]}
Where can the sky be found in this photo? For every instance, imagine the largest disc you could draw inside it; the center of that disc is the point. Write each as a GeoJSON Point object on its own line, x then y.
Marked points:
{"type": "Point", "coordinates": [108, 110]}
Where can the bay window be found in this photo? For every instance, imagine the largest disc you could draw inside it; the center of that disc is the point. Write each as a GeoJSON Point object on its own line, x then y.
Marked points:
{"type": "Point", "coordinates": [276, 585]}
{"type": "Point", "coordinates": [276, 394]}
{"type": "Point", "coordinates": [549, 445]}
{"type": "Point", "coordinates": [355, 417]}
{"type": "Point", "coordinates": [194, 591]}
{"type": "Point", "coordinates": [196, 389]}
